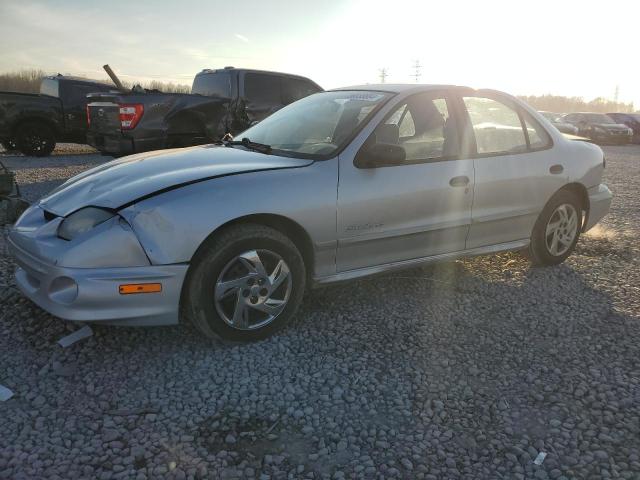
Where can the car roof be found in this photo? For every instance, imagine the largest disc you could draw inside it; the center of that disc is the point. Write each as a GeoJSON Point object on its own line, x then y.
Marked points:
{"type": "Point", "coordinates": [398, 87]}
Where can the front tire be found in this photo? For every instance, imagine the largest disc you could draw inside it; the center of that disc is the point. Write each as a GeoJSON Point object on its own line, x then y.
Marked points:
{"type": "Point", "coordinates": [557, 230]}
{"type": "Point", "coordinates": [35, 139]}
{"type": "Point", "coordinates": [244, 284]}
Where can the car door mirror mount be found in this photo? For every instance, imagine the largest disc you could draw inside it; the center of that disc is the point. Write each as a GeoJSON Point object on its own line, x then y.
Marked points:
{"type": "Point", "coordinates": [380, 155]}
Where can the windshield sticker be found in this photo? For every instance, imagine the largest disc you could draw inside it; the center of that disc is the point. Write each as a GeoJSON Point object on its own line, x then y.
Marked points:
{"type": "Point", "coordinates": [366, 96]}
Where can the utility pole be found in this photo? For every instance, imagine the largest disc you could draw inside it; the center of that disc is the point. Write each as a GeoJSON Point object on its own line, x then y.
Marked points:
{"type": "Point", "coordinates": [383, 74]}
{"type": "Point", "coordinates": [616, 93]}
{"type": "Point", "coordinates": [417, 70]}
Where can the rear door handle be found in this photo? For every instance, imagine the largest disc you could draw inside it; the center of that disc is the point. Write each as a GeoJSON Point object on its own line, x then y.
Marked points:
{"type": "Point", "coordinates": [556, 169]}
{"type": "Point", "coordinates": [461, 181]}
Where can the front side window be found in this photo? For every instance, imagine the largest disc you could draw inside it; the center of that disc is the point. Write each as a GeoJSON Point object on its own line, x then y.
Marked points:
{"type": "Point", "coordinates": [318, 125]}
{"type": "Point", "coordinates": [496, 126]}
{"type": "Point", "coordinates": [423, 127]}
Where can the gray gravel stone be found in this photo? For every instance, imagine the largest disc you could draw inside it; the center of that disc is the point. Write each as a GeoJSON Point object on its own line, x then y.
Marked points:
{"type": "Point", "coordinates": [463, 370]}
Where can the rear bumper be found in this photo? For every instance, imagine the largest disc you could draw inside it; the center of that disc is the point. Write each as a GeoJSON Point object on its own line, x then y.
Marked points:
{"type": "Point", "coordinates": [599, 204]}
{"type": "Point", "coordinates": [123, 145]}
{"type": "Point", "coordinates": [92, 294]}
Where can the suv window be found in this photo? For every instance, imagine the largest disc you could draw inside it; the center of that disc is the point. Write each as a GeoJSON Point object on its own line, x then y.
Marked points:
{"type": "Point", "coordinates": [214, 84]}
{"type": "Point", "coordinates": [423, 127]}
{"type": "Point", "coordinates": [296, 88]}
{"type": "Point", "coordinates": [49, 86]}
{"type": "Point", "coordinates": [260, 89]}
{"type": "Point", "coordinates": [496, 126]}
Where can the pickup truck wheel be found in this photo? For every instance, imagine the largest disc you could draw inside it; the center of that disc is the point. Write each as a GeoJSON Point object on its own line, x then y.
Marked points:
{"type": "Point", "coordinates": [10, 145]}
{"type": "Point", "coordinates": [244, 284]}
{"type": "Point", "coordinates": [557, 230]}
{"type": "Point", "coordinates": [35, 139]}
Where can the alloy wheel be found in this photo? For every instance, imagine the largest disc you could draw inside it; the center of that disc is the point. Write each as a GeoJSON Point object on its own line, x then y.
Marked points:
{"type": "Point", "coordinates": [253, 289]}
{"type": "Point", "coordinates": [561, 229]}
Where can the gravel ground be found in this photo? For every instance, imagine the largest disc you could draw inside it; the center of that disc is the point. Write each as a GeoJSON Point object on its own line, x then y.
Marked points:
{"type": "Point", "coordinates": [461, 370]}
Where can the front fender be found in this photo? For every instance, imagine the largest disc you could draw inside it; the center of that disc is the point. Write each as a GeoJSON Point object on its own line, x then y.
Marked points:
{"type": "Point", "coordinates": [172, 226]}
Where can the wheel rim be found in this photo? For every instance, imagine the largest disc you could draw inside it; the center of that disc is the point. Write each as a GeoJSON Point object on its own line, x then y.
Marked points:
{"type": "Point", "coordinates": [34, 141]}
{"type": "Point", "coordinates": [562, 229]}
{"type": "Point", "coordinates": [253, 289]}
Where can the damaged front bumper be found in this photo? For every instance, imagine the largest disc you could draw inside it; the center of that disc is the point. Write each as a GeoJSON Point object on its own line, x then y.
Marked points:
{"type": "Point", "coordinates": [81, 279]}
{"type": "Point", "coordinates": [92, 294]}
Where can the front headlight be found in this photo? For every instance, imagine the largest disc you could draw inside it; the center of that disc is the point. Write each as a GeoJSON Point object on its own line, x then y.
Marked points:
{"type": "Point", "coordinates": [82, 221]}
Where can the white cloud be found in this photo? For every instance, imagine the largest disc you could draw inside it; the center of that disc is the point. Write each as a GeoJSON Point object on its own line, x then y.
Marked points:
{"type": "Point", "coordinates": [241, 37]}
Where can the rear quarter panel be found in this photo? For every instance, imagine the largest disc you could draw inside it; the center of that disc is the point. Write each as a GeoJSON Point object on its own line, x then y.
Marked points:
{"type": "Point", "coordinates": [172, 226]}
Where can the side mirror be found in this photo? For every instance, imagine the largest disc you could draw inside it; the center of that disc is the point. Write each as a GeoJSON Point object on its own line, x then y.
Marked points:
{"type": "Point", "coordinates": [380, 155]}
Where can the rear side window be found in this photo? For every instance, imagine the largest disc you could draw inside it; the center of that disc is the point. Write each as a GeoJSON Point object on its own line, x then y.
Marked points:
{"type": "Point", "coordinates": [538, 136]}
{"type": "Point", "coordinates": [496, 126]}
{"type": "Point", "coordinates": [49, 87]}
{"type": "Point", "coordinates": [212, 85]}
{"type": "Point", "coordinates": [296, 88]}
{"type": "Point", "coordinates": [263, 89]}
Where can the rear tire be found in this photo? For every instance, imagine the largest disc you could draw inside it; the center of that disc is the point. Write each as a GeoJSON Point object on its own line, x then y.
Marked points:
{"type": "Point", "coordinates": [35, 139]}
{"type": "Point", "coordinates": [10, 145]}
{"type": "Point", "coordinates": [244, 284]}
{"type": "Point", "coordinates": [557, 230]}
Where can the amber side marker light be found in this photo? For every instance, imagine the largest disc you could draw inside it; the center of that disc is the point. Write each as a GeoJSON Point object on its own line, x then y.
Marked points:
{"type": "Point", "coordinates": [140, 288]}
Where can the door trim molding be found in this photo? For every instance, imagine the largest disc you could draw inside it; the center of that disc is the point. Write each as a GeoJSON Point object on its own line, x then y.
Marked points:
{"type": "Point", "coordinates": [376, 269]}
{"type": "Point", "coordinates": [402, 232]}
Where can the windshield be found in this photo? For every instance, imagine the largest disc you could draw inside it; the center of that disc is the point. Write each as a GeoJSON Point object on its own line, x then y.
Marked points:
{"type": "Point", "coordinates": [318, 125]}
{"type": "Point", "coordinates": [212, 84]}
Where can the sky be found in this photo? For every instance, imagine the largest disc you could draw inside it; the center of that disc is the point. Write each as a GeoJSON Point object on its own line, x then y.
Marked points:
{"type": "Point", "coordinates": [565, 47]}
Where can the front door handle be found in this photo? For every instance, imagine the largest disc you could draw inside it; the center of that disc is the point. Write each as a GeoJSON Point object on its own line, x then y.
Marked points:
{"type": "Point", "coordinates": [461, 181]}
{"type": "Point", "coordinates": [556, 169]}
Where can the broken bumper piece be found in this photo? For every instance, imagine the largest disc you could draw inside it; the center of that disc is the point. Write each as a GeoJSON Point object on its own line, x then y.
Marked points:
{"type": "Point", "coordinates": [93, 294]}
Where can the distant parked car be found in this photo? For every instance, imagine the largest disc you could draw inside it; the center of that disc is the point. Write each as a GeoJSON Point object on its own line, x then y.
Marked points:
{"type": "Point", "coordinates": [32, 123]}
{"type": "Point", "coordinates": [631, 120]}
{"type": "Point", "coordinates": [600, 128]}
{"type": "Point", "coordinates": [564, 127]}
{"type": "Point", "coordinates": [336, 186]}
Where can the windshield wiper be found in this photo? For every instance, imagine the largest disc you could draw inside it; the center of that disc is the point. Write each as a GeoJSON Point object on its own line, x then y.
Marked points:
{"type": "Point", "coordinates": [246, 143]}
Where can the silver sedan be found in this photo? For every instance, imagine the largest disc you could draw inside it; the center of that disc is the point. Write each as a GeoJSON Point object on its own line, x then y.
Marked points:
{"type": "Point", "coordinates": [336, 186]}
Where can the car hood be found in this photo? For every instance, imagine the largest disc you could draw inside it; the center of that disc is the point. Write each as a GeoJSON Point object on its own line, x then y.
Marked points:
{"type": "Point", "coordinates": [127, 179]}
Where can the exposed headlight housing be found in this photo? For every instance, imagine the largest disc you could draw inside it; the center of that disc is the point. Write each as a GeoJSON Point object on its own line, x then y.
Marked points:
{"type": "Point", "coordinates": [82, 221]}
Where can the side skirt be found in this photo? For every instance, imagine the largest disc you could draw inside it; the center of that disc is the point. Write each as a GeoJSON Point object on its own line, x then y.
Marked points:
{"type": "Point", "coordinates": [414, 262]}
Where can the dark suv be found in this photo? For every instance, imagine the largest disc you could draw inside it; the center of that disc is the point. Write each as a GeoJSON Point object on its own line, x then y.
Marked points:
{"type": "Point", "coordinates": [600, 128]}
{"type": "Point", "coordinates": [631, 120]}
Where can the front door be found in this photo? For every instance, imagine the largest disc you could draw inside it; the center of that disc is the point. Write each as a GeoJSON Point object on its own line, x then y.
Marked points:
{"type": "Point", "coordinates": [418, 208]}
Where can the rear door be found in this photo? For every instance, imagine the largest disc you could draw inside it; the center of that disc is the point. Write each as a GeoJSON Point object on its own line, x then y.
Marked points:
{"type": "Point", "coordinates": [413, 210]}
{"type": "Point", "coordinates": [516, 170]}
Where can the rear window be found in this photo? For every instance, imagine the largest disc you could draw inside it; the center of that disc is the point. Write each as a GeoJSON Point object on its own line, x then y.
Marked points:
{"type": "Point", "coordinates": [49, 87]}
{"type": "Point", "coordinates": [212, 85]}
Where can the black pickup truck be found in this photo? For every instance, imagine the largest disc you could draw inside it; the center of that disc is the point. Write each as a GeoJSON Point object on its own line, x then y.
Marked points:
{"type": "Point", "coordinates": [222, 101]}
{"type": "Point", "coordinates": [33, 123]}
